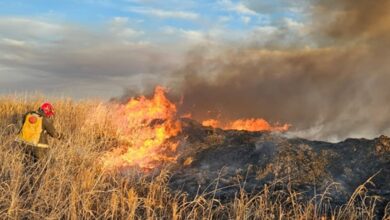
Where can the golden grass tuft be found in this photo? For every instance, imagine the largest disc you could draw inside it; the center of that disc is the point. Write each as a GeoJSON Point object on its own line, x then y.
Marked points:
{"type": "Point", "coordinates": [70, 183]}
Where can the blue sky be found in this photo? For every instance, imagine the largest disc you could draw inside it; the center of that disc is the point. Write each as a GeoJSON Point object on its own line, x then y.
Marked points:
{"type": "Point", "coordinates": [84, 48]}
{"type": "Point", "coordinates": [181, 14]}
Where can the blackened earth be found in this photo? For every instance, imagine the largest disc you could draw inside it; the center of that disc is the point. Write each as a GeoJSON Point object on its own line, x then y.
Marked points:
{"type": "Point", "coordinates": [221, 163]}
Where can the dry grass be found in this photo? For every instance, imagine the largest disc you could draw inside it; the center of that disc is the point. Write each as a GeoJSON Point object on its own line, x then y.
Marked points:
{"type": "Point", "coordinates": [71, 185]}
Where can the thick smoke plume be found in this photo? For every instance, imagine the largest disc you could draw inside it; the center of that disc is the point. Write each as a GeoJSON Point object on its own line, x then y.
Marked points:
{"type": "Point", "coordinates": [338, 88]}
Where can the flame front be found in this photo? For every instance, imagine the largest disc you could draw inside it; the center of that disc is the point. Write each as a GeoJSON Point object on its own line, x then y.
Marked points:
{"type": "Point", "coordinates": [252, 124]}
{"type": "Point", "coordinates": [144, 128]}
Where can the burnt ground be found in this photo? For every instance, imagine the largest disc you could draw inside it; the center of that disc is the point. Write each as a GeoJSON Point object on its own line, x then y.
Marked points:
{"type": "Point", "coordinates": [233, 160]}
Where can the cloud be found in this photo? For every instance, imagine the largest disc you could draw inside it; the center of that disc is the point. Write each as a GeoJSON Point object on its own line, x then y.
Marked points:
{"type": "Point", "coordinates": [217, 36]}
{"type": "Point", "coordinates": [224, 19]}
{"type": "Point", "coordinates": [277, 6]}
{"type": "Point", "coordinates": [22, 29]}
{"type": "Point", "coordinates": [13, 42]}
{"type": "Point", "coordinates": [119, 26]}
{"type": "Point", "coordinates": [63, 57]}
{"type": "Point", "coordinates": [165, 13]}
{"type": "Point", "coordinates": [286, 33]}
{"type": "Point", "coordinates": [236, 7]}
{"type": "Point", "coordinates": [246, 19]}
{"type": "Point", "coordinates": [186, 36]}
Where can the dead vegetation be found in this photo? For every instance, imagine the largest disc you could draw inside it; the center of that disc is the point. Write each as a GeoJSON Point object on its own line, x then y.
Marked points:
{"type": "Point", "coordinates": [70, 183]}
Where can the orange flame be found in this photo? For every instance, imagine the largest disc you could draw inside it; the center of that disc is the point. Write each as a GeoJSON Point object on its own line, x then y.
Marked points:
{"type": "Point", "coordinates": [211, 123]}
{"type": "Point", "coordinates": [145, 127]}
{"type": "Point", "coordinates": [252, 124]}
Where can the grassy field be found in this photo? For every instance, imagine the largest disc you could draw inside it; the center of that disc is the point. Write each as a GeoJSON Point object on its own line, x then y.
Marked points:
{"type": "Point", "coordinates": [71, 184]}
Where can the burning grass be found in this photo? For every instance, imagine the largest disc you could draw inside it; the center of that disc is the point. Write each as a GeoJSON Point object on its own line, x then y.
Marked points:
{"type": "Point", "coordinates": [251, 124]}
{"type": "Point", "coordinates": [144, 127]}
{"type": "Point", "coordinates": [73, 184]}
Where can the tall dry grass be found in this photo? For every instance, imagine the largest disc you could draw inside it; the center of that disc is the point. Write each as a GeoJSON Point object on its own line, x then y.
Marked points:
{"type": "Point", "coordinates": [70, 183]}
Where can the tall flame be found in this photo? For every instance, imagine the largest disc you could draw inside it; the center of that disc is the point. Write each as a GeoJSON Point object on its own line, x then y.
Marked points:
{"type": "Point", "coordinates": [145, 127]}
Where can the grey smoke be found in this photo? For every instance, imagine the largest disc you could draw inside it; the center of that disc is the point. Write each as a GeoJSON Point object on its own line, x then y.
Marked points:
{"type": "Point", "coordinates": [339, 88]}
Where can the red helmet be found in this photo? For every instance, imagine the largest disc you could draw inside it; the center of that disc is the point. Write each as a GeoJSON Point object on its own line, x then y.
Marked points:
{"type": "Point", "coordinates": [48, 109]}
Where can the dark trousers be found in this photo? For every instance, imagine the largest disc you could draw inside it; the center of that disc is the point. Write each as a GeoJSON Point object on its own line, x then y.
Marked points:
{"type": "Point", "coordinates": [33, 154]}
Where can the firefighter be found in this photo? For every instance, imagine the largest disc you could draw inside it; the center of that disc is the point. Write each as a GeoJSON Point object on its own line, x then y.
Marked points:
{"type": "Point", "coordinates": [36, 127]}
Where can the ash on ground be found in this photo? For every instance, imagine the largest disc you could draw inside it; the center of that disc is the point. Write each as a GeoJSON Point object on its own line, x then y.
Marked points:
{"type": "Point", "coordinates": [221, 163]}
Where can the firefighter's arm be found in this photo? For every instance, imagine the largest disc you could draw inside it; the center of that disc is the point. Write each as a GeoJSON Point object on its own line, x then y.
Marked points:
{"type": "Point", "coordinates": [49, 127]}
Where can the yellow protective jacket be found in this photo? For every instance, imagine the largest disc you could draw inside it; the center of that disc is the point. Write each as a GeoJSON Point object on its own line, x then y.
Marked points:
{"type": "Point", "coordinates": [35, 129]}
